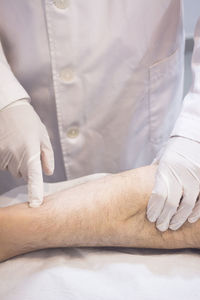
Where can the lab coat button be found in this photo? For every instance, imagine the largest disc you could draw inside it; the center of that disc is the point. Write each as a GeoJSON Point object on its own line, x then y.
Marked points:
{"type": "Point", "coordinates": [62, 4]}
{"type": "Point", "coordinates": [67, 75]}
{"type": "Point", "coordinates": [73, 132]}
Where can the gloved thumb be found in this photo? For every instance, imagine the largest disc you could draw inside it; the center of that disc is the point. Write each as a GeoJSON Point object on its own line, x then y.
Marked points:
{"type": "Point", "coordinates": [47, 159]}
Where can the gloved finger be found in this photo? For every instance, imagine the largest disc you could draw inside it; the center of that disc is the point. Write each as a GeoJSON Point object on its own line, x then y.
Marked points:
{"type": "Point", "coordinates": [195, 215]}
{"type": "Point", "coordinates": [5, 158]}
{"type": "Point", "coordinates": [14, 167]}
{"type": "Point", "coordinates": [174, 194]}
{"type": "Point", "coordinates": [158, 197]}
{"type": "Point", "coordinates": [15, 162]}
{"type": "Point", "coordinates": [47, 159]}
{"type": "Point", "coordinates": [47, 154]}
{"type": "Point", "coordinates": [189, 197]}
{"type": "Point", "coordinates": [35, 181]}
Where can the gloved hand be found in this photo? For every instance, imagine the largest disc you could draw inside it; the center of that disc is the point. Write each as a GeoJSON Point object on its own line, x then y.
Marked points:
{"type": "Point", "coordinates": [24, 146]}
{"type": "Point", "coordinates": [175, 196]}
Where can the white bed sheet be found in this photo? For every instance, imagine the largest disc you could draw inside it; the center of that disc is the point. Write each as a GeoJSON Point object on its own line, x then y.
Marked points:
{"type": "Point", "coordinates": [98, 273]}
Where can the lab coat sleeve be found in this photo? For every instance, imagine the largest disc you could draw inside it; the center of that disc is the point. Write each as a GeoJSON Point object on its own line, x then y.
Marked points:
{"type": "Point", "coordinates": [188, 122]}
{"type": "Point", "coordinates": [10, 88]}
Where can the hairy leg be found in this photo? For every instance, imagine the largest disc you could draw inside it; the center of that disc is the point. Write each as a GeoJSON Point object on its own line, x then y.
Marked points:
{"type": "Point", "coordinates": [110, 211]}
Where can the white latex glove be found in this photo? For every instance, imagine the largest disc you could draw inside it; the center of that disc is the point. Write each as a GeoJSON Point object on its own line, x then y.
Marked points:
{"type": "Point", "coordinates": [25, 148]}
{"type": "Point", "coordinates": [175, 196]}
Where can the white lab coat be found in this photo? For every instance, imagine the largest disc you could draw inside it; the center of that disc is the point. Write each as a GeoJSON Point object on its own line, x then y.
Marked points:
{"type": "Point", "coordinates": [105, 77]}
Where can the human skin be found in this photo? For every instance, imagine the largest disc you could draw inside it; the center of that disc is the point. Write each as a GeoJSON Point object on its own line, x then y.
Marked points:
{"type": "Point", "coordinates": [110, 211]}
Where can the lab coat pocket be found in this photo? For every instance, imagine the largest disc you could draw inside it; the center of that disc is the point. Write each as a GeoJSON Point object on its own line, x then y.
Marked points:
{"type": "Point", "coordinates": [165, 95]}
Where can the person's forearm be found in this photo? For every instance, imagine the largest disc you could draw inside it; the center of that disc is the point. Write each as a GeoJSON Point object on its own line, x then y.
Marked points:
{"type": "Point", "coordinates": [110, 211]}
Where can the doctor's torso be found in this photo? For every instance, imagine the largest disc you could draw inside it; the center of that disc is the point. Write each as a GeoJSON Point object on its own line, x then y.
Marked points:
{"type": "Point", "coordinates": [105, 77]}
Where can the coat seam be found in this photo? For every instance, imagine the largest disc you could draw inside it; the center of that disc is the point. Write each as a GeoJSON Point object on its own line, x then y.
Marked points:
{"type": "Point", "coordinates": [52, 47]}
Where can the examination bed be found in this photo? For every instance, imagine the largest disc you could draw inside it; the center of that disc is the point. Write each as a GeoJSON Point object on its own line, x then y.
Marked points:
{"type": "Point", "coordinates": [97, 273]}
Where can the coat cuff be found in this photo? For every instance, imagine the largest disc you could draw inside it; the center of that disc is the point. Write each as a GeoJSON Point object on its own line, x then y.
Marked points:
{"type": "Point", "coordinates": [188, 128]}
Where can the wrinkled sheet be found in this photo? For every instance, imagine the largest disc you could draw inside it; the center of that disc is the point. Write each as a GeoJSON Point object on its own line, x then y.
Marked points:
{"type": "Point", "coordinates": [98, 273]}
